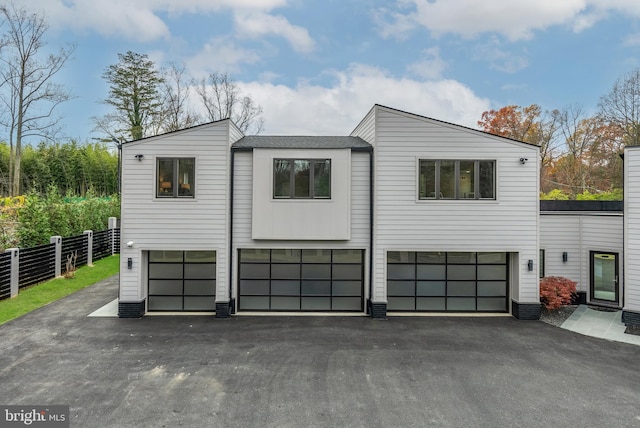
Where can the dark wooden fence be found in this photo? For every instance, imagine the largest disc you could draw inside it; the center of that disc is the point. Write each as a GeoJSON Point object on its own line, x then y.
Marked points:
{"type": "Point", "coordinates": [38, 264]}
{"type": "Point", "coordinates": [5, 275]}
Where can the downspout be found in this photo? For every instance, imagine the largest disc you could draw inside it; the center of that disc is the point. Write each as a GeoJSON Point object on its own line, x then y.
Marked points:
{"type": "Point", "coordinates": [232, 308]}
{"type": "Point", "coordinates": [370, 231]}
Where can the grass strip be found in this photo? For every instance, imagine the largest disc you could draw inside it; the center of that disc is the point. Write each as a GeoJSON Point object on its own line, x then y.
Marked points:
{"type": "Point", "coordinates": [36, 296]}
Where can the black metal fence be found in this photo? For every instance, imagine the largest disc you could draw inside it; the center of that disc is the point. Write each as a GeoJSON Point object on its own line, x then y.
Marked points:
{"type": "Point", "coordinates": [38, 264]}
{"type": "Point", "coordinates": [5, 275]}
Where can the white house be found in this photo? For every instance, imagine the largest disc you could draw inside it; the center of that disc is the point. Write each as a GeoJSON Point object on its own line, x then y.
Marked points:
{"type": "Point", "coordinates": [406, 214]}
{"type": "Point", "coordinates": [583, 241]}
{"type": "Point", "coordinates": [631, 301]}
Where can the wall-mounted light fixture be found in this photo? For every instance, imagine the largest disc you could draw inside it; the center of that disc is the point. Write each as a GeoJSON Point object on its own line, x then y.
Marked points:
{"type": "Point", "coordinates": [530, 265]}
{"type": "Point", "coordinates": [130, 244]}
{"type": "Point", "coordinates": [129, 263]}
{"type": "Point", "coordinates": [139, 156]}
{"type": "Point", "coordinates": [523, 160]}
{"type": "Point", "coordinates": [565, 257]}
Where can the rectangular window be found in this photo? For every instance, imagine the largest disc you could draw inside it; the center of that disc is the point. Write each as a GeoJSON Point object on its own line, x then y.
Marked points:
{"type": "Point", "coordinates": [302, 178]}
{"type": "Point", "coordinates": [456, 179]}
{"type": "Point", "coordinates": [175, 178]}
{"type": "Point", "coordinates": [541, 264]}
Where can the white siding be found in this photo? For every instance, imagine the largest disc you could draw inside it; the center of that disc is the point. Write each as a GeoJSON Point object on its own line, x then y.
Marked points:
{"type": "Point", "coordinates": [298, 219]}
{"type": "Point", "coordinates": [234, 133]}
{"type": "Point", "coordinates": [366, 129]}
{"type": "Point", "coordinates": [185, 224]}
{"type": "Point", "coordinates": [632, 228]}
{"type": "Point", "coordinates": [578, 234]}
{"type": "Point", "coordinates": [402, 222]}
{"type": "Point", "coordinates": [242, 212]}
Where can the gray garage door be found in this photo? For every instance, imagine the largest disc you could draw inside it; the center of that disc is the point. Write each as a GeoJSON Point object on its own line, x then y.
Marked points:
{"type": "Point", "coordinates": [182, 281]}
{"type": "Point", "coordinates": [447, 282]}
{"type": "Point", "coordinates": [301, 280]}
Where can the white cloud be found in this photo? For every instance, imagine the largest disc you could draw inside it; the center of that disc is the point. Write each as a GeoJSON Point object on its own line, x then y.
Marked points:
{"type": "Point", "coordinates": [308, 109]}
{"type": "Point", "coordinates": [632, 40]}
{"type": "Point", "coordinates": [140, 19]}
{"type": "Point", "coordinates": [220, 55]}
{"type": "Point", "coordinates": [431, 67]}
{"type": "Point", "coordinates": [500, 59]}
{"type": "Point", "coordinates": [513, 19]}
{"type": "Point", "coordinates": [258, 24]}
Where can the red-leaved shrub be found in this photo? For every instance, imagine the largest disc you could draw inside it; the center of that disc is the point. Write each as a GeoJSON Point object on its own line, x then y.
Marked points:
{"type": "Point", "coordinates": [556, 291]}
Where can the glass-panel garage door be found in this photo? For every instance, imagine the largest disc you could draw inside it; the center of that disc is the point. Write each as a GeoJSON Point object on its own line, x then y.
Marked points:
{"type": "Point", "coordinates": [443, 282]}
{"type": "Point", "coordinates": [301, 280]}
{"type": "Point", "coordinates": [182, 281]}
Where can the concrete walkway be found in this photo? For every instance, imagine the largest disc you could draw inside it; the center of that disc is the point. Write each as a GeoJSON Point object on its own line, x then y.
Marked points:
{"type": "Point", "coordinates": [601, 324]}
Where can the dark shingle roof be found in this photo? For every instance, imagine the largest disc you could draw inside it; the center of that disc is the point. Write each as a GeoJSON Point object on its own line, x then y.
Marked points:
{"type": "Point", "coordinates": [300, 142]}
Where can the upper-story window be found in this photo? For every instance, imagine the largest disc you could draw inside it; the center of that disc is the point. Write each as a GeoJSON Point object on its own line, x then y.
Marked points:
{"type": "Point", "coordinates": [302, 178]}
{"type": "Point", "coordinates": [176, 177]}
{"type": "Point", "coordinates": [457, 179]}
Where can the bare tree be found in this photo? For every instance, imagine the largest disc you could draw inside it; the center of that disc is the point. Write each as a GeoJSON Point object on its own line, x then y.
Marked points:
{"type": "Point", "coordinates": [28, 94]}
{"type": "Point", "coordinates": [621, 106]}
{"type": "Point", "coordinates": [221, 99]}
{"type": "Point", "coordinates": [175, 111]}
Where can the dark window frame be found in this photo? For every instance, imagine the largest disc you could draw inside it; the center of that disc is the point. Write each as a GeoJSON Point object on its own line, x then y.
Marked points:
{"type": "Point", "coordinates": [541, 263]}
{"type": "Point", "coordinates": [176, 187]}
{"type": "Point", "coordinates": [477, 185]}
{"type": "Point", "coordinates": [292, 176]}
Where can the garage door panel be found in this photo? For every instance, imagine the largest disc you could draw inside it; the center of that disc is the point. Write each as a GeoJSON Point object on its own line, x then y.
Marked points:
{"type": "Point", "coordinates": [346, 288]}
{"type": "Point", "coordinates": [200, 287]}
{"type": "Point", "coordinates": [347, 271]}
{"type": "Point", "coordinates": [286, 288]}
{"type": "Point", "coordinates": [199, 303]}
{"type": "Point", "coordinates": [492, 288]}
{"type": "Point", "coordinates": [285, 303]}
{"type": "Point", "coordinates": [200, 271]}
{"type": "Point", "coordinates": [316, 288]}
{"type": "Point", "coordinates": [430, 304]}
{"type": "Point", "coordinates": [464, 304]}
{"type": "Point", "coordinates": [165, 303]}
{"type": "Point", "coordinates": [319, 280]}
{"type": "Point", "coordinates": [441, 281]}
{"type": "Point", "coordinates": [431, 288]}
{"type": "Point", "coordinates": [254, 303]}
{"type": "Point", "coordinates": [181, 280]}
{"type": "Point", "coordinates": [165, 286]}
{"type": "Point", "coordinates": [492, 272]}
{"type": "Point", "coordinates": [165, 270]}
{"type": "Point", "coordinates": [431, 272]}
{"type": "Point", "coordinates": [315, 303]}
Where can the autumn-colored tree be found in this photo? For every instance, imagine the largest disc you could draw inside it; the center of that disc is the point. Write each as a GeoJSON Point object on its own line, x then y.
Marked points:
{"type": "Point", "coordinates": [529, 124]}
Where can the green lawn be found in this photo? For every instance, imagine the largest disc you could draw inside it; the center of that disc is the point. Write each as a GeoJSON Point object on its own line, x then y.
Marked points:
{"type": "Point", "coordinates": [42, 294]}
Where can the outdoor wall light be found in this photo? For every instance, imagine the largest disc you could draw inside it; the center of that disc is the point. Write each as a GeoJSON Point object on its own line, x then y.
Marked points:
{"type": "Point", "coordinates": [129, 263]}
{"type": "Point", "coordinates": [523, 160]}
{"type": "Point", "coordinates": [565, 257]}
{"type": "Point", "coordinates": [530, 265]}
{"type": "Point", "coordinates": [139, 156]}
{"type": "Point", "coordinates": [130, 244]}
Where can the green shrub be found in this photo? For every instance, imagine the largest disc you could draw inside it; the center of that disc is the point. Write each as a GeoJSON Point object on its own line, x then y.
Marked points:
{"type": "Point", "coordinates": [556, 291]}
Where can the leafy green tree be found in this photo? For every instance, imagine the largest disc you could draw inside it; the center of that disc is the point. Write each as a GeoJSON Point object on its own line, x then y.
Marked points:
{"type": "Point", "coordinates": [134, 84]}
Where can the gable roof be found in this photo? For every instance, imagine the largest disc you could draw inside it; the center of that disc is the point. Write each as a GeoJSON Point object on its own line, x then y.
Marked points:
{"type": "Point", "coordinates": [461, 127]}
{"type": "Point", "coordinates": [300, 142]}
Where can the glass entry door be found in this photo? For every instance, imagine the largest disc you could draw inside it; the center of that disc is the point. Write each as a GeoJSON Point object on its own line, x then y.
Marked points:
{"type": "Point", "coordinates": [604, 277]}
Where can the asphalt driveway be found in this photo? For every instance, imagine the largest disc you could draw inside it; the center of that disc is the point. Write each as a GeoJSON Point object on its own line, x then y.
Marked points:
{"type": "Point", "coordinates": [200, 371]}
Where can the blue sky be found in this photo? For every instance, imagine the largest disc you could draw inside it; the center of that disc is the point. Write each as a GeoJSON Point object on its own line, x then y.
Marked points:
{"type": "Point", "coordinates": [317, 67]}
